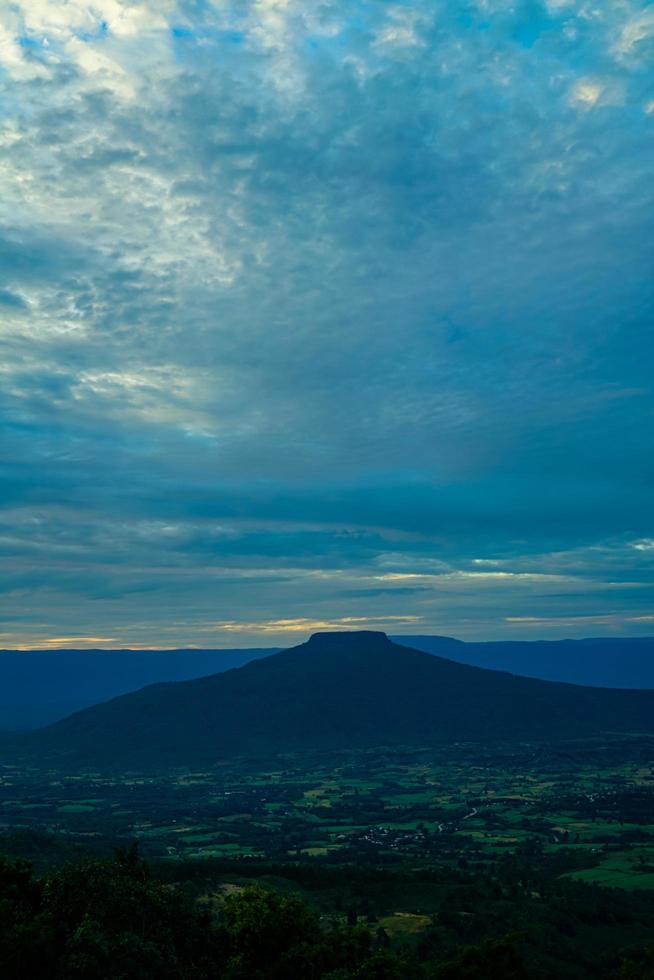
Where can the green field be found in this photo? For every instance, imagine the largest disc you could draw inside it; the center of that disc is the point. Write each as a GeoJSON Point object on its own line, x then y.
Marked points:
{"type": "Point", "coordinates": [591, 801]}
{"type": "Point", "coordinates": [432, 849]}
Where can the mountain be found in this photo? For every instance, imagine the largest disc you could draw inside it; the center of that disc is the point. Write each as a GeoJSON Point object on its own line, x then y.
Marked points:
{"type": "Point", "coordinates": [601, 662]}
{"type": "Point", "coordinates": [38, 687]}
{"type": "Point", "coordinates": [338, 690]}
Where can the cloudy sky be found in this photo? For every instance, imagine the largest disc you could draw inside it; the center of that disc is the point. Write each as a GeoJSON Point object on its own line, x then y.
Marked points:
{"type": "Point", "coordinates": [325, 313]}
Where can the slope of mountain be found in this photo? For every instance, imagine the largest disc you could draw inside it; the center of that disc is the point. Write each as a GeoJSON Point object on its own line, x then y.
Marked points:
{"type": "Point", "coordinates": [38, 687]}
{"type": "Point", "coordinates": [337, 690]}
{"type": "Point", "coordinates": [601, 662]}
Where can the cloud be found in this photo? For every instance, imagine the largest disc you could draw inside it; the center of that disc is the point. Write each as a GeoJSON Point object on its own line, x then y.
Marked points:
{"type": "Point", "coordinates": [636, 34]}
{"type": "Point", "coordinates": [400, 30]}
{"type": "Point", "coordinates": [12, 300]}
{"type": "Point", "coordinates": [304, 625]}
{"type": "Point", "coordinates": [589, 93]}
{"type": "Point", "coordinates": [586, 92]}
{"type": "Point", "coordinates": [302, 297]}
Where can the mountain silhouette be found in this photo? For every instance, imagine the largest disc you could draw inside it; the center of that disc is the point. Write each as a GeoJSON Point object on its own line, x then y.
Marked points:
{"type": "Point", "coordinates": [38, 687]}
{"type": "Point", "coordinates": [338, 690]}
{"type": "Point", "coordinates": [612, 661]}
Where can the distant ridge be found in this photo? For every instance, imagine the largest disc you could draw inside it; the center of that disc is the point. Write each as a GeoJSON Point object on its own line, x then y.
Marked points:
{"type": "Point", "coordinates": [626, 662]}
{"type": "Point", "coordinates": [338, 690]}
{"type": "Point", "coordinates": [38, 687]}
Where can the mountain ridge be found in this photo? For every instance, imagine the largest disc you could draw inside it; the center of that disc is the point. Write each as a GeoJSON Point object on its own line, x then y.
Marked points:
{"type": "Point", "coordinates": [611, 662]}
{"type": "Point", "coordinates": [70, 680]}
{"type": "Point", "coordinates": [335, 691]}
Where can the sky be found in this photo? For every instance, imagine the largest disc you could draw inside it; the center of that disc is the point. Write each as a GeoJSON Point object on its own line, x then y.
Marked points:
{"type": "Point", "coordinates": [325, 315]}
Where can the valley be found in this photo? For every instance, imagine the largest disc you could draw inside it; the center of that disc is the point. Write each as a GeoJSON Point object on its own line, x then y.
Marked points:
{"type": "Point", "coordinates": [589, 802]}
{"type": "Point", "coordinates": [369, 789]}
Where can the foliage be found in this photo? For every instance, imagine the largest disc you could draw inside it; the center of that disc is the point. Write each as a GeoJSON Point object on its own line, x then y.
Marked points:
{"type": "Point", "coordinates": [112, 919]}
{"type": "Point", "coordinates": [98, 919]}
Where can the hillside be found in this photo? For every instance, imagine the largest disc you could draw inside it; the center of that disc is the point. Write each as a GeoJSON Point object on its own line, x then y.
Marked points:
{"type": "Point", "coordinates": [38, 687]}
{"type": "Point", "coordinates": [337, 690]}
{"type": "Point", "coordinates": [601, 662]}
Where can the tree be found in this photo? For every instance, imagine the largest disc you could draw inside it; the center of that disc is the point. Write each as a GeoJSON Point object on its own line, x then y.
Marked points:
{"type": "Point", "coordinates": [101, 920]}
{"type": "Point", "coordinates": [497, 959]}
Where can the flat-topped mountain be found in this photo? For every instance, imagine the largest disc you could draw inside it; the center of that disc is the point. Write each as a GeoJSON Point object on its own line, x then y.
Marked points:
{"type": "Point", "coordinates": [337, 690]}
{"type": "Point", "coordinates": [38, 687]}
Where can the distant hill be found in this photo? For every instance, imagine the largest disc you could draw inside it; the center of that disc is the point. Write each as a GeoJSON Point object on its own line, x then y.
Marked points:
{"type": "Point", "coordinates": [600, 662]}
{"type": "Point", "coordinates": [336, 691]}
{"type": "Point", "coordinates": [38, 687]}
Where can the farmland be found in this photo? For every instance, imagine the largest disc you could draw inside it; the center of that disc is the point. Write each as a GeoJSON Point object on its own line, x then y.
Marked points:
{"type": "Point", "coordinates": [549, 848]}
{"type": "Point", "coordinates": [593, 802]}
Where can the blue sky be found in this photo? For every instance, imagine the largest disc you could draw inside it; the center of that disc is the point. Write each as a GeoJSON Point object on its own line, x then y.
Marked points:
{"type": "Point", "coordinates": [325, 314]}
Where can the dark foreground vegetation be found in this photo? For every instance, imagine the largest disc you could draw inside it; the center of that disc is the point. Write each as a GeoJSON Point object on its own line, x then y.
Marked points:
{"type": "Point", "coordinates": [118, 918]}
{"type": "Point", "coordinates": [468, 861]}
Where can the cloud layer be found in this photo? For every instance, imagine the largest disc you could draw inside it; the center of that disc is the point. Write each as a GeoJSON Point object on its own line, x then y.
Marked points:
{"type": "Point", "coordinates": [324, 312]}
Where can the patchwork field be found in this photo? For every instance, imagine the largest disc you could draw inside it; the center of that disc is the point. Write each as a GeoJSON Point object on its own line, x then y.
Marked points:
{"type": "Point", "coordinates": [593, 803]}
{"type": "Point", "coordinates": [544, 853]}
